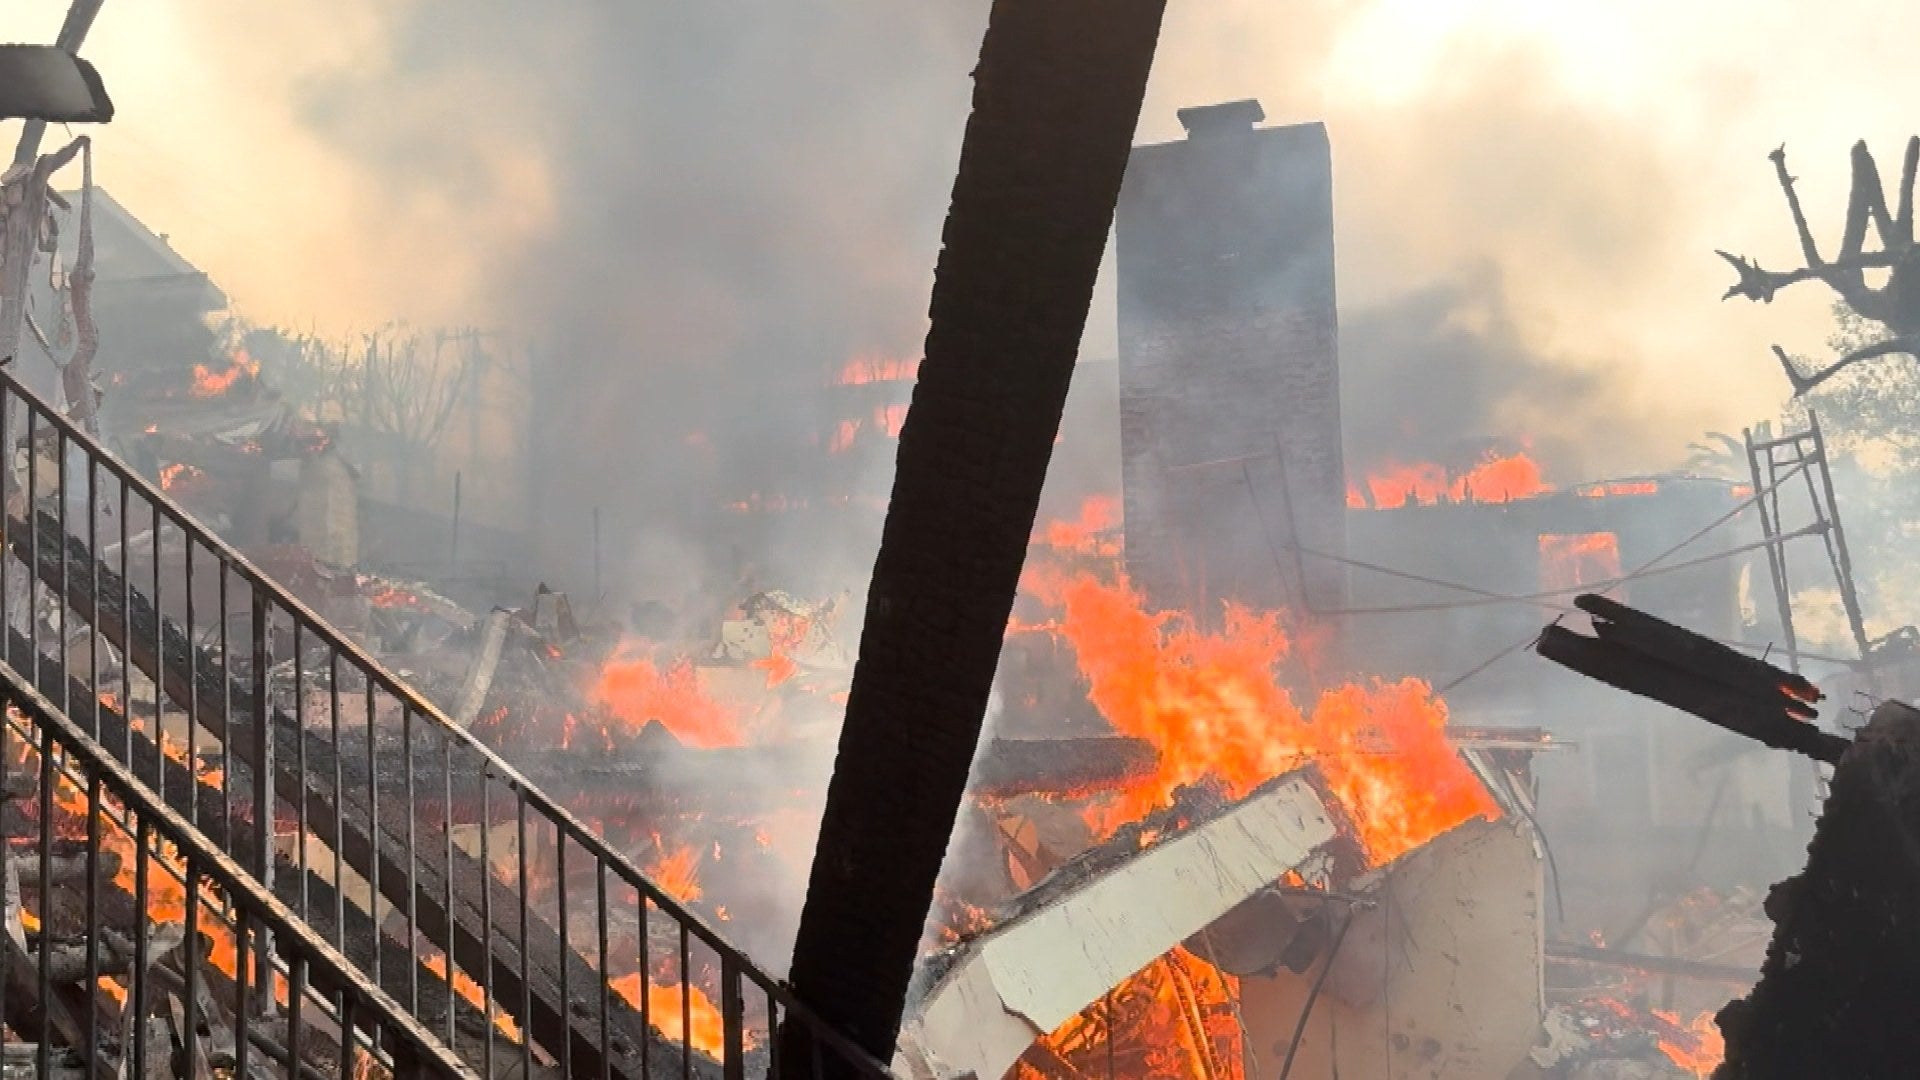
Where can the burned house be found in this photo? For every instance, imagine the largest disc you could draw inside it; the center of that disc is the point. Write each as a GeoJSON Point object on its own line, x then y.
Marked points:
{"type": "Point", "coordinates": [151, 304]}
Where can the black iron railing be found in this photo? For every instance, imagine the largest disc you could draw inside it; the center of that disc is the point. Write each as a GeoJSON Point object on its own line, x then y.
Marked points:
{"type": "Point", "coordinates": [482, 906]}
{"type": "Point", "coordinates": [128, 845]}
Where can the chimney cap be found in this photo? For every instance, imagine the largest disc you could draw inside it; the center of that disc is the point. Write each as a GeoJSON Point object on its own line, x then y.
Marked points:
{"type": "Point", "coordinates": [1230, 117]}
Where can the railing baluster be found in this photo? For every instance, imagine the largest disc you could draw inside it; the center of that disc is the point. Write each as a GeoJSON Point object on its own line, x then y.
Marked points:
{"type": "Point", "coordinates": [44, 894]}
{"type": "Point", "coordinates": [93, 591]}
{"type": "Point", "coordinates": [446, 867]}
{"type": "Point", "coordinates": [226, 707]}
{"type": "Point", "coordinates": [486, 917]}
{"type": "Point", "coordinates": [339, 802]}
{"type": "Point", "coordinates": [60, 517]}
{"type": "Point", "coordinates": [126, 616]}
{"type": "Point", "coordinates": [193, 690]}
{"type": "Point", "coordinates": [413, 864]}
{"type": "Point", "coordinates": [732, 1021]}
{"type": "Point", "coordinates": [646, 982]}
{"type": "Point", "coordinates": [190, 963]}
{"type": "Point", "coordinates": [526, 986]}
{"type": "Point", "coordinates": [300, 766]}
{"type": "Point", "coordinates": [159, 649]}
{"type": "Point", "coordinates": [296, 1003]}
{"type": "Point", "coordinates": [143, 904]}
{"type": "Point", "coordinates": [264, 830]}
{"type": "Point", "coordinates": [33, 543]}
{"type": "Point", "coordinates": [373, 835]}
{"type": "Point", "coordinates": [686, 1005]}
{"type": "Point", "coordinates": [606, 988]}
{"type": "Point", "coordinates": [566, 954]}
{"type": "Point", "coordinates": [242, 999]}
{"type": "Point", "coordinates": [92, 982]}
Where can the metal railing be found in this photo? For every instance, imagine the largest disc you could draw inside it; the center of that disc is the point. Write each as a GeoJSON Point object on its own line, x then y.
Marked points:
{"type": "Point", "coordinates": [478, 902]}
{"type": "Point", "coordinates": [131, 848]}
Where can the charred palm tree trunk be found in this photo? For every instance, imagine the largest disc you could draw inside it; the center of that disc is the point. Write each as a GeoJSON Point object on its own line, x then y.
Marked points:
{"type": "Point", "coordinates": [1056, 97]}
{"type": "Point", "coordinates": [1840, 988]}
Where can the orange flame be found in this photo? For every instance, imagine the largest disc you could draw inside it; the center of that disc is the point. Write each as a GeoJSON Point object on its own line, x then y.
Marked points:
{"type": "Point", "coordinates": [636, 691]}
{"type": "Point", "coordinates": [1496, 478]}
{"type": "Point", "coordinates": [1173, 1018]}
{"type": "Point", "coordinates": [707, 1031]}
{"type": "Point", "coordinates": [208, 383]}
{"type": "Point", "coordinates": [473, 992]}
{"type": "Point", "coordinates": [172, 475]}
{"type": "Point", "coordinates": [677, 872]}
{"type": "Point", "coordinates": [1092, 533]}
{"type": "Point", "coordinates": [862, 370]}
{"type": "Point", "coordinates": [1573, 560]}
{"type": "Point", "coordinates": [1697, 1047]}
{"type": "Point", "coordinates": [1212, 705]}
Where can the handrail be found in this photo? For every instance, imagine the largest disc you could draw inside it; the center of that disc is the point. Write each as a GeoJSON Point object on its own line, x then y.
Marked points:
{"type": "Point", "coordinates": [240, 888]}
{"type": "Point", "coordinates": [567, 827]}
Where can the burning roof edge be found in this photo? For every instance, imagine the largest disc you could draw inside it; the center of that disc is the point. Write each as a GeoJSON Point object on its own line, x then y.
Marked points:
{"type": "Point", "coordinates": [1030, 974]}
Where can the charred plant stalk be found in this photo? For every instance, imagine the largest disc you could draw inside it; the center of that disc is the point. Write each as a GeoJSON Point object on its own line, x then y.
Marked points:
{"type": "Point", "coordinates": [1056, 98]}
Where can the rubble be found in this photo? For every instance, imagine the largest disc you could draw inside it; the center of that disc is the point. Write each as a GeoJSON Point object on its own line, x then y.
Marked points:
{"type": "Point", "coordinates": [1095, 922]}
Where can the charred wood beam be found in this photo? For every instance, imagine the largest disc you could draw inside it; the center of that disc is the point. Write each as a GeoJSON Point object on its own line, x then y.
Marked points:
{"type": "Point", "coordinates": [1056, 99]}
{"type": "Point", "coordinates": [417, 874]}
{"type": "Point", "coordinates": [1654, 659]}
{"type": "Point", "coordinates": [1644, 964]}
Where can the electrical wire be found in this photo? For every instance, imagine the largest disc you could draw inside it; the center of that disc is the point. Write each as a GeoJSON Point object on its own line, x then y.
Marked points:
{"type": "Point", "coordinates": [1758, 494]}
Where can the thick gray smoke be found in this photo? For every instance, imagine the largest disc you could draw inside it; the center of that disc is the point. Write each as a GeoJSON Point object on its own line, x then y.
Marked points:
{"type": "Point", "coordinates": [1432, 374]}
{"type": "Point", "coordinates": [742, 200]}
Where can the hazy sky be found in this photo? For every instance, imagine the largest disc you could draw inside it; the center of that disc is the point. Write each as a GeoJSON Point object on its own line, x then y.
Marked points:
{"type": "Point", "coordinates": [1576, 165]}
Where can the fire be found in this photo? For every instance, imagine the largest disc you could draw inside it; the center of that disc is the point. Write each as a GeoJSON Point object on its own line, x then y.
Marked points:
{"type": "Point", "coordinates": [208, 383]}
{"type": "Point", "coordinates": [172, 475]}
{"type": "Point", "coordinates": [391, 597]}
{"type": "Point", "coordinates": [1697, 1047]}
{"type": "Point", "coordinates": [166, 872]}
{"type": "Point", "coordinates": [862, 370]}
{"type": "Point", "coordinates": [1092, 533]}
{"type": "Point", "coordinates": [677, 872]}
{"type": "Point", "coordinates": [886, 420]}
{"type": "Point", "coordinates": [473, 992]}
{"type": "Point", "coordinates": [665, 1002]}
{"type": "Point", "coordinates": [1496, 478]}
{"type": "Point", "coordinates": [1173, 1018]}
{"type": "Point", "coordinates": [636, 691]}
{"type": "Point", "coordinates": [1573, 560]}
{"type": "Point", "coordinates": [1213, 706]}
{"type": "Point", "coordinates": [778, 666]}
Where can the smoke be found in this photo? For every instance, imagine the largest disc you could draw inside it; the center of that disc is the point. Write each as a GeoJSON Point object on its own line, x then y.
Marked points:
{"type": "Point", "coordinates": [735, 207]}
{"type": "Point", "coordinates": [1440, 373]}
